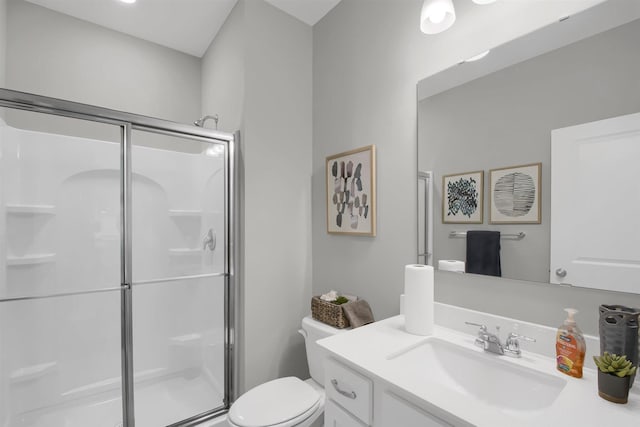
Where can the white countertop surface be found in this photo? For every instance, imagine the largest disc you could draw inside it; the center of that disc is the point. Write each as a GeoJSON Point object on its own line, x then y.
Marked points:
{"type": "Point", "coordinates": [578, 404]}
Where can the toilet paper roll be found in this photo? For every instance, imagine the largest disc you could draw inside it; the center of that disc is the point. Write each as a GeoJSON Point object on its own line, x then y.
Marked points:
{"type": "Point", "coordinates": [451, 265]}
{"type": "Point", "coordinates": [418, 299]}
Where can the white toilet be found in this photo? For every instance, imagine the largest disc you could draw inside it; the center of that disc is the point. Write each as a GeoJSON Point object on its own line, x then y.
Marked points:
{"type": "Point", "coordinates": [289, 401]}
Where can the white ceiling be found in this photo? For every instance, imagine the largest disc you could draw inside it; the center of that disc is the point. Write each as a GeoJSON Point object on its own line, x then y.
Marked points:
{"type": "Point", "coordinates": [185, 25]}
{"type": "Point", "coordinates": [308, 11]}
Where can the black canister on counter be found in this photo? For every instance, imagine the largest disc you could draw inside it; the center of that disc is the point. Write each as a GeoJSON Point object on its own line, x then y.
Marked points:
{"type": "Point", "coordinates": [619, 331]}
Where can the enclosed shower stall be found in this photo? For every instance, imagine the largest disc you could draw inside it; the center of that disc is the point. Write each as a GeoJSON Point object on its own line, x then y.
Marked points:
{"type": "Point", "coordinates": [116, 267]}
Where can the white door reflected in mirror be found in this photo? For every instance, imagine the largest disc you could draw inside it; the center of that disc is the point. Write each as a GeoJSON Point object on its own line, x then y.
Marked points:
{"type": "Point", "coordinates": [594, 181]}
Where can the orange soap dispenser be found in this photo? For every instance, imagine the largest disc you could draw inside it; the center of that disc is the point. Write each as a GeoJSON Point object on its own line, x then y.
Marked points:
{"type": "Point", "coordinates": [570, 346]}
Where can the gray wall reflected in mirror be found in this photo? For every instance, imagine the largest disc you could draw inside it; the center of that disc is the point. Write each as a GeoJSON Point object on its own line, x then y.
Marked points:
{"type": "Point", "coordinates": [505, 119]}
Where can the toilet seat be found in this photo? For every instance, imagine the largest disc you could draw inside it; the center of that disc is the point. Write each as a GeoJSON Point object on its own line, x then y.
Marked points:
{"type": "Point", "coordinates": [283, 402]}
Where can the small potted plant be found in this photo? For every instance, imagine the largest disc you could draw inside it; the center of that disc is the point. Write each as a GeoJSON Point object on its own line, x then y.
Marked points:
{"type": "Point", "coordinates": [614, 375]}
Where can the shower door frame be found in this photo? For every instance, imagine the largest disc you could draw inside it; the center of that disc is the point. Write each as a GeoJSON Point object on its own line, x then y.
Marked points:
{"type": "Point", "coordinates": [127, 123]}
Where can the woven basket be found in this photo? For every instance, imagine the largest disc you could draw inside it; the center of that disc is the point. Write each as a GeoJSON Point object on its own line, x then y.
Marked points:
{"type": "Point", "coordinates": [329, 313]}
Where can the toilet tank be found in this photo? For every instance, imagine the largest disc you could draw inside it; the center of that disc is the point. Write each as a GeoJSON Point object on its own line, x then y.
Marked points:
{"type": "Point", "coordinates": [313, 331]}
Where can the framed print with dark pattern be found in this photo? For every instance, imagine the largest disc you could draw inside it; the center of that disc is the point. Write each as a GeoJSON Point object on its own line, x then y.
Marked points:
{"type": "Point", "coordinates": [351, 192]}
{"type": "Point", "coordinates": [462, 198]}
{"type": "Point", "coordinates": [515, 195]}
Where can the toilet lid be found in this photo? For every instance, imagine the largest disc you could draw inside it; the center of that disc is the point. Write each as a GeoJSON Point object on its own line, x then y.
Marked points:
{"type": "Point", "coordinates": [274, 402]}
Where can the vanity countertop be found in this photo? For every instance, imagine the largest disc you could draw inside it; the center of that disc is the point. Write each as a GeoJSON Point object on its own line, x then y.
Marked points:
{"type": "Point", "coordinates": [370, 348]}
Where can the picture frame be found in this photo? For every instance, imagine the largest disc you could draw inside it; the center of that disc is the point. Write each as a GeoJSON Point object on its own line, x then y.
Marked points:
{"type": "Point", "coordinates": [515, 194]}
{"type": "Point", "coordinates": [351, 192]}
{"type": "Point", "coordinates": [463, 198]}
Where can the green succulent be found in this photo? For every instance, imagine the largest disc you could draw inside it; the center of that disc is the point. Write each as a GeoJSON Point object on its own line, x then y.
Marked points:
{"type": "Point", "coordinates": [615, 365]}
{"type": "Point", "coordinates": [340, 300]}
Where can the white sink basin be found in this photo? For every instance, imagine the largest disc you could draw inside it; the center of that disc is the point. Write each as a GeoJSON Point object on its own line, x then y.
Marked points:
{"type": "Point", "coordinates": [485, 377]}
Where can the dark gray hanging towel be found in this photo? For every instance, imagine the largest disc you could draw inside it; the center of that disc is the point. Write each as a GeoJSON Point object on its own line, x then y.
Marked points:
{"type": "Point", "coordinates": [483, 253]}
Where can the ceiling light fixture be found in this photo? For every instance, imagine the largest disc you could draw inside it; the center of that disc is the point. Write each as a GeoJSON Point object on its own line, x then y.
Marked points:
{"type": "Point", "coordinates": [128, 1]}
{"type": "Point", "coordinates": [437, 16]}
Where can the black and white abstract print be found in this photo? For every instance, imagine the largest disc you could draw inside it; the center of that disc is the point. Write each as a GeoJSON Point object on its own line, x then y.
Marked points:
{"type": "Point", "coordinates": [514, 194]}
{"type": "Point", "coordinates": [349, 197]}
{"type": "Point", "coordinates": [351, 192]}
{"type": "Point", "coordinates": [462, 198]}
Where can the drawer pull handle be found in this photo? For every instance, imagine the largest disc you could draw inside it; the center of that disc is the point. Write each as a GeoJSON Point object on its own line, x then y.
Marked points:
{"type": "Point", "coordinates": [349, 394]}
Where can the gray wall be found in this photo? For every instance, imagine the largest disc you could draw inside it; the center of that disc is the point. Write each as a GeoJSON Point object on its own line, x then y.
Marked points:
{"type": "Point", "coordinates": [223, 75]}
{"type": "Point", "coordinates": [3, 41]}
{"type": "Point", "coordinates": [506, 119]}
{"type": "Point", "coordinates": [364, 93]}
{"type": "Point", "coordinates": [277, 184]}
{"type": "Point", "coordinates": [52, 54]}
{"type": "Point", "coordinates": [257, 77]}
{"type": "Point", "coordinates": [368, 57]}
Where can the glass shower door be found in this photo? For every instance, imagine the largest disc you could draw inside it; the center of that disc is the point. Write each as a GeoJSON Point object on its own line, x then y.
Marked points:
{"type": "Point", "coordinates": [103, 245]}
{"type": "Point", "coordinates": [178, 268]}
{"type": "Point", "coordinates": [59, 272]}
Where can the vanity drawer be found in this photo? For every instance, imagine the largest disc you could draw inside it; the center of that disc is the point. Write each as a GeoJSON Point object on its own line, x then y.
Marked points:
{"type": "Point", "coordinates": [397, 411]}
{"type": "Point", "coordinates": [350, 389]}
{"type": "Point", "coordinates": [335, 416]}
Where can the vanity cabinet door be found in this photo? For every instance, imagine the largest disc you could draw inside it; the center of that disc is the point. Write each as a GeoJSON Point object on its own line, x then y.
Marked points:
{"type": "Point", "coordinates": [350, 389]}
{"type": "Point", "coordinates": [398, 412]}
{"type": "Point", "coordinates": [335, 416]}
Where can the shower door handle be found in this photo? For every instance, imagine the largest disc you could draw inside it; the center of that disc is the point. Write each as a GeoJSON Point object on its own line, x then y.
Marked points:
{"type": "Point", "coordinates": [209, 240]}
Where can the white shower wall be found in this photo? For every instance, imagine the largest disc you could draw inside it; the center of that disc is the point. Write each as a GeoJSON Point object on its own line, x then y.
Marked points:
{"type": "Point", "coordinates": [60, 229]}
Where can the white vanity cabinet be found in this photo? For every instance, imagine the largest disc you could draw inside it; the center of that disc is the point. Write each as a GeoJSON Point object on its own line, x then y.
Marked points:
{"type": "Point", "coordinates": [381, 376]}
{"type": "Point", "coordinates": [350, 390]}
{"type": "Point", "coordinates": [354, 400]}
{"type": "Point", "coordinates": [335, 416]}
{"type": "Point", "coordinates": [395, 411]}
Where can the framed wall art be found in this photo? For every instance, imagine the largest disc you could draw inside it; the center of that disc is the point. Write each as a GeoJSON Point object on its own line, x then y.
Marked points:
{"type": "Point", "coordinates": [515, 195]}
{"type": "Point", "coordinates": [351, 192]}
{"type": "Point", "coordinates": [462, 198]}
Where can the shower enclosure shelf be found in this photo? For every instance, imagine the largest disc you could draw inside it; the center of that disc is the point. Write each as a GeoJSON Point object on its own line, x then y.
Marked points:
{"type": "Point", "coordinates": [188, 339]}
{"type": "Point", "coordinates": [185, 251]}
{"type": "Point", "coordinates": [28, 209]}
{"type": "Point", "coordinates": [185, 213]}
{"type": "Point", "coordinates": [111, 384]}
{"type": "Point", "coordinates": [33, 372]}
{"type": "Point", "coordinates": [109, 237]}
{"type": "Point", "coordinates": [33, 259]}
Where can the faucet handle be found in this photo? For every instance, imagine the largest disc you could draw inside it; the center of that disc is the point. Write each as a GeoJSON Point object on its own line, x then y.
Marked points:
{"type": "Point", "coordinates": [483, 328]}
{"type": "Point", "coordinates": [512, 345]}
{"type": "Point", "coordinates": [517, 337]}
{"type": "Point", "coordinates": [514, 335]}
{"type": "Point", "coordinates": [481, 339]}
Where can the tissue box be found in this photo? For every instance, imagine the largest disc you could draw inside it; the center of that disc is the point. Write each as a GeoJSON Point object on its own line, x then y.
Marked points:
{"type": "Point", "coordinates": [329, 313]}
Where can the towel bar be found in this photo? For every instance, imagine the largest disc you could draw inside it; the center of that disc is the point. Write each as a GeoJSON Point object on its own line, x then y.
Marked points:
{"type": "Point", "coordinates": [512, 236]}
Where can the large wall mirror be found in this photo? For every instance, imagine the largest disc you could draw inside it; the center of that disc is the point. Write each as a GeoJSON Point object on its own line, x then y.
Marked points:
{"type": "Point", "coordinates": [539, 141]}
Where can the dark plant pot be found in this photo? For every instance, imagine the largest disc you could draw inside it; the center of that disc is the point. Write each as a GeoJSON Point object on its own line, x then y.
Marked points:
{"type": "Point", "coordinates": [613, 388]}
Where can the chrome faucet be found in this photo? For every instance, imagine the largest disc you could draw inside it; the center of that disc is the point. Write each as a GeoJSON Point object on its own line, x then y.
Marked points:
{"type": "Point", "coordinates": [491, 342]}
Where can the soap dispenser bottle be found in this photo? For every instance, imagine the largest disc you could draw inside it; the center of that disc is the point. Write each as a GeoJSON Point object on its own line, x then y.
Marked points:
{"type": "Point", "coordinates": [570, 346]}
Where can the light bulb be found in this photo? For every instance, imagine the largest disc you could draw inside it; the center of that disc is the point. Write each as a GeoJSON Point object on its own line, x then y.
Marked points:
{"type": "Point", "coordinates": [437, 15]}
